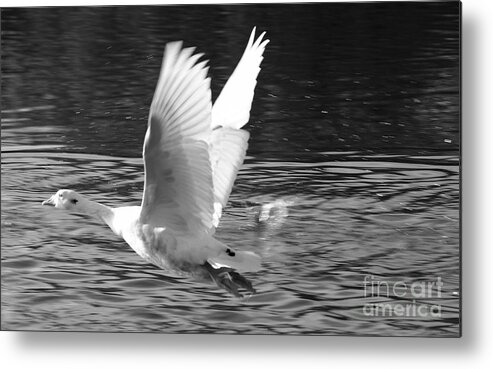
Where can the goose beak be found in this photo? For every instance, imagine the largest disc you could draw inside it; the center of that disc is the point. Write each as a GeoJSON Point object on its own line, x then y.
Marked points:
{"type": "Point", "coordinates": [49, 202]}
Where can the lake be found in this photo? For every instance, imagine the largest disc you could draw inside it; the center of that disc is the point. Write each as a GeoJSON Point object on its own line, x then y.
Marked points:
{"type": "Point", "coordinates": [355, 142]}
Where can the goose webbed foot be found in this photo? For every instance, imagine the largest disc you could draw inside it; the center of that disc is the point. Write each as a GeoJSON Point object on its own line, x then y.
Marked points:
{"type": "Point", "coordinates": [229, 280]}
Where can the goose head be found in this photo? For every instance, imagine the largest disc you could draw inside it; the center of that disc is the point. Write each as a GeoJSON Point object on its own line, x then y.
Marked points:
{"type": "Point", "coordinates": [64, 199]}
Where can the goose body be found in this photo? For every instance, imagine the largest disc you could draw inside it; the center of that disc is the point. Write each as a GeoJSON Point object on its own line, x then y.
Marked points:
{"type": "Point", "coordinates": [192, 154]}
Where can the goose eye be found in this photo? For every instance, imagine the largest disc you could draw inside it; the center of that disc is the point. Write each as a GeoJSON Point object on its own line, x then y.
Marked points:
{"type": "Point", "coordinates": [74, 201]}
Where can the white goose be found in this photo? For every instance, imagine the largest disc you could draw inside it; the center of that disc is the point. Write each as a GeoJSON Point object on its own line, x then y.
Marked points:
{"type": "Point", "coordinates": [192, 153]}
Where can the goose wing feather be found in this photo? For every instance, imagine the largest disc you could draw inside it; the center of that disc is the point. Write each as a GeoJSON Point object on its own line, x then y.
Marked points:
{"type": "Point", "coordinates": [178, 192]}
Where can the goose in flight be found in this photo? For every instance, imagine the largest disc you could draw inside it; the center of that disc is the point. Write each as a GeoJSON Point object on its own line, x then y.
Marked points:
{"type": "Point", "coordinates": [192, 153]}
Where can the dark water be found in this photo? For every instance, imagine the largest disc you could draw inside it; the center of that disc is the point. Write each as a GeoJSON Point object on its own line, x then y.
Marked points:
{"type": "Point", "coordinates": [354, 139]}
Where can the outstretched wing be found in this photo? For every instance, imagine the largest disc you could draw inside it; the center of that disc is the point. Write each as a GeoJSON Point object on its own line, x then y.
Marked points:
{"type": "Point", "coordinates": [232, 107]}
{"type": "Point", "coordinates": [178, 192]}
{"type": "Point", "coordinates": [230, 112]}
{"type": "Point", "coordinates": [227, 152]}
